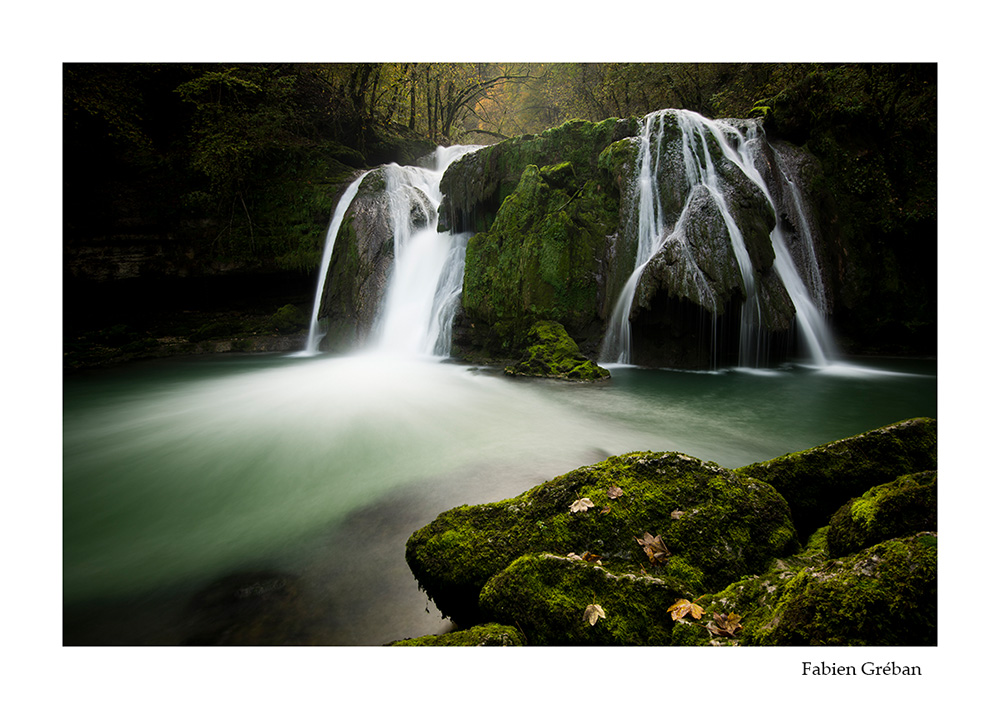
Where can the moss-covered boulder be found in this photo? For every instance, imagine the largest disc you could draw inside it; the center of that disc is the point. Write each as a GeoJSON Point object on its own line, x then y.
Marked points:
{"type": "Point", "coordinates": [817, 481]}
{"type": "Point", "coordinates": [905, 506]}
{"type": "Point", "coordinates": [288, 319]}
{"type": "Point", "coordinates": [553, 354]}
{"type": "Point", "coordinates": [488, 635]}
{"type": "Point", "coordinates": [716, 525]}
{"type": "Point", "coordinates": [883, 595]}
{"type": "Point", "coordinates": [551, 598]}
{"type": "Point", "coordinates": [750, 601]}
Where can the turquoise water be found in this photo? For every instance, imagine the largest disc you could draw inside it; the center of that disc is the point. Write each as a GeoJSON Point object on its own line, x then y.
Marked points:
{"type": "Point", "coordinates": [308, 474]}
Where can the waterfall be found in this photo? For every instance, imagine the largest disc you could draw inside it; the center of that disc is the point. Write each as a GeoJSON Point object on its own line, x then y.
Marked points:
{"type": "Point", "coordinates": [426, 280]}
{"type": "Point", "coordinates": [315, 333]}
{"type": "Point", "coordinates": [740, 144]}
{"type": "Point", "coordinates": [424, 287]}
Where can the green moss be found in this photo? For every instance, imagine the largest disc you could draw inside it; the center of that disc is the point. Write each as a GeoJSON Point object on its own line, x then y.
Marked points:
{"type": "Point", "coordinates": [903, 507]}
{"type": "Point", "coordinates": [816, 482]}
{"type": "Point", "coordinates": [547, 595]}
{"type": "Point", "coordinates": [552, 353]}
{"type": "Point", "coordinates": [288, 319]}
{"type": "Point", "coordinates": [884, 595]}
{"type": "Point", "coordinates": [726, 526]}
{"type": "Point", "coordinates": [540, 258]}
{"type": "Point", "coordinates": [488, 635]}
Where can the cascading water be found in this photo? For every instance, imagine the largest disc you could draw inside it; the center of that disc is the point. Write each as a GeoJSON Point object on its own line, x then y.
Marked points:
{"type": "Point", "coordinates": [740, 144]}
{"type": "Point", "coordinates": [426, 281]}
{"type": "Point", "coordinates": [315, 328]}
{"type": "Point", "coordinates": [420, 300]}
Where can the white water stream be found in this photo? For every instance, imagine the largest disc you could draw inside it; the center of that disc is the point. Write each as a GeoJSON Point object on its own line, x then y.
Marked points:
{"type": "Point", "coordinates": [653, 233]}
{"type": "Point", "coordinates": [315, 332]}
{"type": "Point", "coordinates": [426, 281]}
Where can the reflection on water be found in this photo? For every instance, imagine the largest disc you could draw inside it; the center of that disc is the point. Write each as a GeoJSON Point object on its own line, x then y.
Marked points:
{"type": "Point", "coordinates": [267, 499]}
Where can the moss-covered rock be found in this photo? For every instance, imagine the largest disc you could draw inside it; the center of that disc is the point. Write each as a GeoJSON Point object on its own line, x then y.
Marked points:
{"type": "Point", "coordinates": [552, 353]}
{"type": "Point", "coordinates": [883, 595]}
{"type": "Point", "coordinates": [288, 319]}
{"type": "Point", "coordinates": [547, 596]}
{"type": "Point", "coordinates": [541, 259]}
{"type": "Point", "coordinates": [753, 598]}
{"type": "Point", "coordinates": [905, 506]}
{"type": "Point", "coordinates": [488, 635]}
{"type": "Point", "coordinates": [476, 186]}
{"type": "Point", "coordinates": [817, 481]}
{"type": "Point", "coordinates": [718, 525]}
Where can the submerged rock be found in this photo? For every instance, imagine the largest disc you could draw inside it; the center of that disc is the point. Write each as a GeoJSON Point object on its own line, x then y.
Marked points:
{"type": "Point", "coordinates": [553, 354]}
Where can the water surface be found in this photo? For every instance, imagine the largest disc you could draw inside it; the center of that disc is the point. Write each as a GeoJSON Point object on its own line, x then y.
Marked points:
{"type": "Point", "coordinates": [267, 499]}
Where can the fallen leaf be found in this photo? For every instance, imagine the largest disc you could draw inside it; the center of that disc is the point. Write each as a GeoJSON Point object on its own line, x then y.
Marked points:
{"type": "Point", "coordinates": [724, 624]}
{"type": "Point", "coordinates": [676, 514]}
{"type": "Point", "coordinates": [614, 492]}
{"type": "Point", "coordinates": [581, 505]}
{"type": "Point", "coordinates": [605, 510]}
{"type": "Point", "coordinates": [654, 547]}
{"type": "Point", "coordinates": [682, 607]}
{"type": "Point", "coordinates": [592, 613]}
{"type": "Point", "coordinates": [587, 556]}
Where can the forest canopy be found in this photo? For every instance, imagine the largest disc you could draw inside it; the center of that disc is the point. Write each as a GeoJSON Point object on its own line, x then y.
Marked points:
{"type": "Point", "coordinates": [258, 150]}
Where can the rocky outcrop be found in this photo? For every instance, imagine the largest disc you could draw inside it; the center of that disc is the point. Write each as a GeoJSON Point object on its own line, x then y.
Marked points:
{"type": "Point", "coordinates": [905, 506]}
{"type": "Point", "coordinates": [664, 549]}
{"type": "Point", "coordinates": [816, 482]}
{"type": "Point", "coordinates": [359, 266]}
{"type": "Point", "coordinates": [557, 223]}
{"type": "Point", "coordinates": [713, 525]}
{"type": "Point", "coordinates": [552, 354]}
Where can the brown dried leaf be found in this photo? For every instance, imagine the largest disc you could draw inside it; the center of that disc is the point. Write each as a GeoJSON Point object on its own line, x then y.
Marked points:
{"type": "Point", "coordinates": [614, 492]}
{"type": "Point", "coordinates": [724, 624]}
{"type": "Point", "coordinates": [676, 514]}
{"type": "Point", "coordinates": [581, 505]}
{"type": "Point", "coordinates": [587, 556]}
{"type": "Point", "coordinates": [654, 547]}
{"type": "Point", "coordinates": [592, 613]}
{"type": "Point", "coordinates": [682, 607]}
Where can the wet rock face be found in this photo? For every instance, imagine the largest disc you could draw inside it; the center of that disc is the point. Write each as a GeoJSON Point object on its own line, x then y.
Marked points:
{"type": "Point", "coordinates": [362, 259]}
{"type": "Point", "coordinates": [359, 266]}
